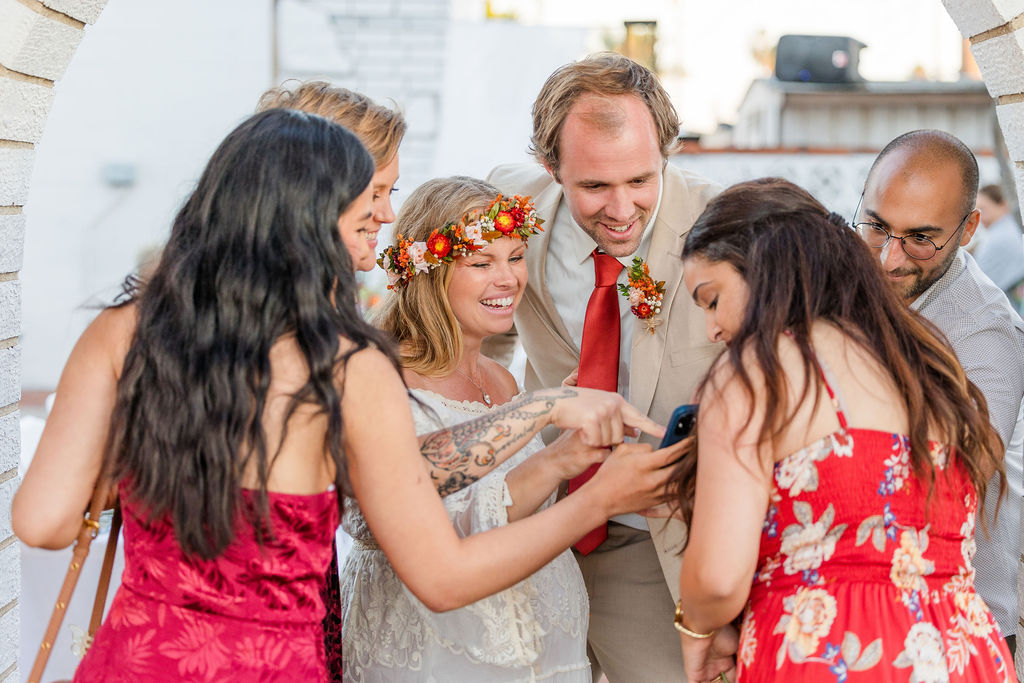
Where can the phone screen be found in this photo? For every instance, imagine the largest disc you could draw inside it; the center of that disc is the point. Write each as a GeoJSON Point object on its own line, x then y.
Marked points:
{"type": "Point", "coordinates": [681, 424]}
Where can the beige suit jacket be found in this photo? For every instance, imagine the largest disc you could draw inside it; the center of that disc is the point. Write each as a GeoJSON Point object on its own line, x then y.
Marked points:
{"type": "Point", "coordinates": [664, 367]}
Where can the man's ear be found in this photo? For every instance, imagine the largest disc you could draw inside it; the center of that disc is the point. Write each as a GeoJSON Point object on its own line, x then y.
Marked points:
{"type": "Point", "coordinates": [553, 173]}
{"type": "Point", "coordinates": [970, 227]}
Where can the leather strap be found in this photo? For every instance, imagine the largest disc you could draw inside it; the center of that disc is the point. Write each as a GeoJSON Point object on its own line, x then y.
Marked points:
{"type": "Point", "coordinates": [90, 527]}
{"type": "Point", "coordinates": [100, 601]}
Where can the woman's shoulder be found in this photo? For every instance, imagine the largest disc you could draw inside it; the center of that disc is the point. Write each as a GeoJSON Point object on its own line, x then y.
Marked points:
{"type": "Point", "coordinates": [116, 322]}
{"type": "Point", "coordinates": [792, 363]}
{"type": "Point", "coordinates": [366, 368]}
{"type": "Point", "coordinates": [109, 335]}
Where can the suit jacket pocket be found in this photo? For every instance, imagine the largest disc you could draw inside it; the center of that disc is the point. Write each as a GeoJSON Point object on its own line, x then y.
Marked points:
{"type": "Point", "coordinates": [703, 354]}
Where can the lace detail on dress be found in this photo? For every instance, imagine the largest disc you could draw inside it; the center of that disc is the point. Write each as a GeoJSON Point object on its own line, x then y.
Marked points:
{"type": "Point", "coordinates": [535, 630]}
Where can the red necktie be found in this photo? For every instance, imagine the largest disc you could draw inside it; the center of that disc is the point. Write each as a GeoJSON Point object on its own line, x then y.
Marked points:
{"type": "Point", "coordinates": [599, 360]}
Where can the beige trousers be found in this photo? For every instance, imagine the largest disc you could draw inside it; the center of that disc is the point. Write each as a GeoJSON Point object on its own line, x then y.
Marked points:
{"type": "Point", "coordinates": [631, 637]}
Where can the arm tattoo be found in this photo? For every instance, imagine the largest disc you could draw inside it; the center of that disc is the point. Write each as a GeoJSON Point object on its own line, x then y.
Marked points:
{"type": "Point", "coordinates": [463, 453]}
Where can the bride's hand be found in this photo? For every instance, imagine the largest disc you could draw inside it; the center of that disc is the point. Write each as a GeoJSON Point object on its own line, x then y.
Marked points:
{"type": "Point", "coordinates": [602, 417]}
{"type": "Point", "coordinates": [569, 456]}
{"type": "Point", "coordinates": [710, 658]}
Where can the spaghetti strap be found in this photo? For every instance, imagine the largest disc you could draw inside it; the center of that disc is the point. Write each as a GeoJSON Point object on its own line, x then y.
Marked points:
{"type": "Point", "coordinates": [826, 374]}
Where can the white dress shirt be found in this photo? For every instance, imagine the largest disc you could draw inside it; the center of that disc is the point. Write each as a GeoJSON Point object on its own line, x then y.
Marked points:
{"type": "Point", "coordinates": [569, 276]}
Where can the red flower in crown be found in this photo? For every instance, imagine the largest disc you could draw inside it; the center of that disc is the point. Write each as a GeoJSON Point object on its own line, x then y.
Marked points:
{"type": "Point", "coordinates": [505, 222]}
{"type": "Point", "coordinates": [518, 215]}
{"type": "Point", "coordinates": [439, 245]}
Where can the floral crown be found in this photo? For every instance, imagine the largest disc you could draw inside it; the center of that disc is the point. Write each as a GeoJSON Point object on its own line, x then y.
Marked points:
{"type": "Point", "coordinates": [515, 218]}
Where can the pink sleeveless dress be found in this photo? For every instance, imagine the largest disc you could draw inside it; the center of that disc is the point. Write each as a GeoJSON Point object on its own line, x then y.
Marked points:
{"type": "Point", "coordinates": [860, 578]}
{"type": "Point", "coordinates": [251, 614]}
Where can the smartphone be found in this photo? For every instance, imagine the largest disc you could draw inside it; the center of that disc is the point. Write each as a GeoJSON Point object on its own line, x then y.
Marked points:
{"type": "Point", "coordinates": [681, 424]}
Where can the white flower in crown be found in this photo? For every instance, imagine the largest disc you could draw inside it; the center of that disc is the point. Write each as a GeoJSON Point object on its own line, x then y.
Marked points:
{"type": "Point", "coordinates": [475, 234]}
{"type": "Point", "coordinates": [393, 277]}
{"type": "Point", "coordinates": [417, 254]}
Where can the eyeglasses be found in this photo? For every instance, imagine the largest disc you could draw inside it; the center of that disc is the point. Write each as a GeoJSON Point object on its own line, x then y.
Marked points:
{"type": "Point", "coordinates": [916, 246]}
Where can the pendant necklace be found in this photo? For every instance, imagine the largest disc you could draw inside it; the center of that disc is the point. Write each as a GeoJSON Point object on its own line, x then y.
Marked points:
{"type": "Point", "coordinates": [487, 397]}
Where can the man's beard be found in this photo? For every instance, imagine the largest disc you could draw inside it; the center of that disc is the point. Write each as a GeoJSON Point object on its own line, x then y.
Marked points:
{"type": "Point", "coordinates": [919, 282]}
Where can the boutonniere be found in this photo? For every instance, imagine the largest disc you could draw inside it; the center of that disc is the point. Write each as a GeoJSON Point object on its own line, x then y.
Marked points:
{"type": "Point", "coordinates": [644, 293]}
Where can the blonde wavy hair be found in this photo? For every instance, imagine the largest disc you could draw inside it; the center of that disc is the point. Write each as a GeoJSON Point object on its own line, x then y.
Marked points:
{"type": "Point", "coordinates": [418, 314]}
{"type": "Point", "coordinates": [379, 128]}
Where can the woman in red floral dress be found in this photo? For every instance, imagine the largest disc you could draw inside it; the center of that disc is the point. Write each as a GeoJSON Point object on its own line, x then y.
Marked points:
{"type": "Point", "coordinates": [238, 393]}
{"type": "Point", "coordinates": [841, 450]}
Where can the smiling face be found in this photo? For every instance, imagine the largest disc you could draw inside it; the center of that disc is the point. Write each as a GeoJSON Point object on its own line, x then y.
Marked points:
{"type": "Point", "coordinates": [610, 169]}
{"type": "Point", "coordinates": [721, 292]}
{"type": "Point", "coordinates": [383, 186]}
{"type": "Point", "coordinates": [358, 230]}
{"type": "Point", "coordinates": [909, 198]}
{"type": "Point", "coordinates": [486, 287]}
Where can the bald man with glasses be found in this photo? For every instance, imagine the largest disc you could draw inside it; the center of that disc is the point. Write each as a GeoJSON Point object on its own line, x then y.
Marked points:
{"type": "Point", "coordinates": [916, 211]}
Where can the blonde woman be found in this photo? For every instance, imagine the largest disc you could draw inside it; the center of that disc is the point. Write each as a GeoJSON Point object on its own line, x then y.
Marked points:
{"type": "Point", "coordinates": [458, 272]}
{"type": "Point", "coordinates": [379, 128]}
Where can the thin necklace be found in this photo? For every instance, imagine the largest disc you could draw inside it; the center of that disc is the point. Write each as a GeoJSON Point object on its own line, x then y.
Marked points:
{"type": "Point", "coordinates": [487, 397]}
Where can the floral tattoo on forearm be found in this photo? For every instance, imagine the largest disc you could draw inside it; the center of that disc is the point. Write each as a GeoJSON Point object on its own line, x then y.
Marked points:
{"type": "Point", "coordinates": [462, 454]}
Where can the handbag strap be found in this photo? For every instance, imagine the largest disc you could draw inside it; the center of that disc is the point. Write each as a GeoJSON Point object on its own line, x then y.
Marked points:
{"type": "Point", "coordinates": [100, 601]}
{"type": "Point", "coordinates": [90, 527]}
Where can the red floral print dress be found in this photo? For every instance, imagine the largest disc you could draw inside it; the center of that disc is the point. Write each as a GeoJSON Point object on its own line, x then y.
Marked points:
{"type": "Point", "coordinates": [251, 614]}
{"type": "Point", "coordinates": [860, 578]}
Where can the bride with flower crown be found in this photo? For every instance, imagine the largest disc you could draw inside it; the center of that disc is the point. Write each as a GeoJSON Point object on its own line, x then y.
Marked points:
{"type": "Point", "coordinates": [457, 273]}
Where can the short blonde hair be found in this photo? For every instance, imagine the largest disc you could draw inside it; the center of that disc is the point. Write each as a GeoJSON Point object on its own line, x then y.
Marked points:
{"type": "Point", "coordinates": [602, 74]}
{"type": "Point", "coordinates": [379, 128]}
{"type": "Point", "coordinates": [418, 314]}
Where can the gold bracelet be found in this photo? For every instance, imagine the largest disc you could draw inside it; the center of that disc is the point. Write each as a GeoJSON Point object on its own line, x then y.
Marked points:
{"type": "Point", "coordinates": [678, 623]}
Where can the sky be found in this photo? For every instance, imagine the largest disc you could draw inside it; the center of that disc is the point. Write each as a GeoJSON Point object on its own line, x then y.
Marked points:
{"type": "Point", "coordinates": [704, 48]}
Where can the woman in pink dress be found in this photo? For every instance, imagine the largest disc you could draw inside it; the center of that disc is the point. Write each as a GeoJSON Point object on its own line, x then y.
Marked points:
{"type": "Point", "coordinates": [238, 393]}
{"type": "Point", "coordinates": [842, 452]}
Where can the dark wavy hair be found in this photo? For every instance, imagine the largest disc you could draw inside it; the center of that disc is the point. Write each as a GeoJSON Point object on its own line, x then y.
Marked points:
{"type": "Point", "coordinates": [254, 255]}
{"type": "Point", "coordinates": [803, 264]}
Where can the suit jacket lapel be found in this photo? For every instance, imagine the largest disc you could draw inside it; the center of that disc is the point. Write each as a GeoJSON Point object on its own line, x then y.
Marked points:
{"type": "Point", "coordinates": [664, 262]}
{"type": "Point", "coordinates": [546, 203]}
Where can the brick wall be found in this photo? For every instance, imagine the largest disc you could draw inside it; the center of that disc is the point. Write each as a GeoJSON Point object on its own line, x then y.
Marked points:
{"type": "Point", "coordinates": [37, 41]}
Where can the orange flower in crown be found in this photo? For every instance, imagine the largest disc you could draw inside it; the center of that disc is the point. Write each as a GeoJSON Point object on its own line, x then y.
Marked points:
{"type": "Point", "coordinates": [515, 218]}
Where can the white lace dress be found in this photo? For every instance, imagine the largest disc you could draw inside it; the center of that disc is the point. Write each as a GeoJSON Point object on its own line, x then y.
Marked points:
{"type": "Point", "coordinates": [533, 631]}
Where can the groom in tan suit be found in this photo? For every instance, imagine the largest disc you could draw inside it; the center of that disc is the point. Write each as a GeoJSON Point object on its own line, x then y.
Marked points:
{"type": "Point", "coordinates": [602, 131]}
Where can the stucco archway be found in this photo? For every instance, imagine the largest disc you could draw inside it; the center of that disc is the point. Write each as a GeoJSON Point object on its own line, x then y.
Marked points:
{"type": "Point", "coordinates": [38, 38]}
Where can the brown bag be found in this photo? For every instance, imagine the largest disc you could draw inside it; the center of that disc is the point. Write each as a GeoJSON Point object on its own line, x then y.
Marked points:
{"type": "Point", "coordinates": [90, 527]}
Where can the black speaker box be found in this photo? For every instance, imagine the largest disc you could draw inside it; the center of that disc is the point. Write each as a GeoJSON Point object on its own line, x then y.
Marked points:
{"type": "Point", "coordinates": [818, 59]}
